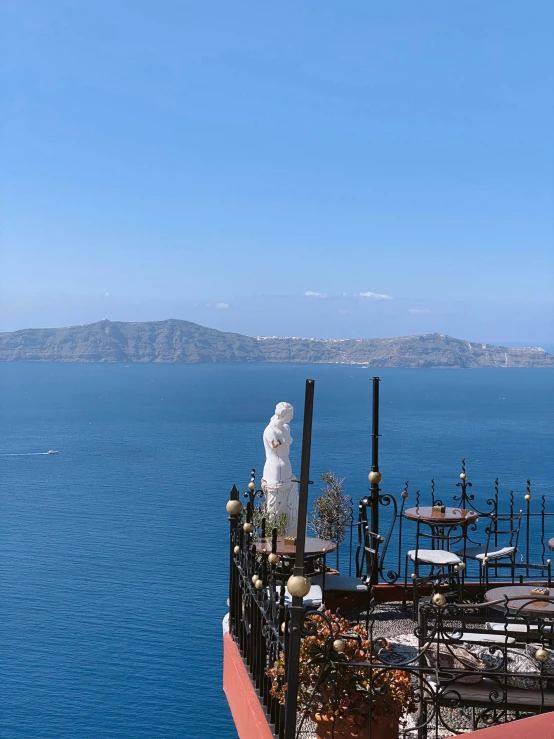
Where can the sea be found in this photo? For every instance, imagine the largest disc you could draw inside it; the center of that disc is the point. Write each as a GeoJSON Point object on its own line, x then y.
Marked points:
{"type": "Point", "coordinates": [113, 553]}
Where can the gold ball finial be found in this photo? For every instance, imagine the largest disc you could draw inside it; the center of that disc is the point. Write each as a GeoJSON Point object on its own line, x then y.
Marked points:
{"type": "Point", "coordinates": [254, 579]}
{"type": "Point", "coordinates": [298, 586]}
{"type": "Point", "coordinates": [247, 528]}
{"type": "Point", "coordinates": [233, 507]}
{"type": "Point", "coordinates": [541, 655]}
{"type": "Point", "coordinates": [527, 497]}
{"type": "Point", "coordinates": [439, 600]}
{"type": "Point", "coordinates": [375, 477]}
{"type": "Point", "coordinates": [463, 476]}
{"type": "Point", "coordinates": [339, 645]}
{"type": "Point", "coordinates": [236, 550]}
{"type": "Point", "coordinates": [283, 627]}
{"type": "Point", "coordinates": [273, 558]}
{"type": "Point", "coordinates": [258, 584]}
{"type": "Point", "coordinates": [413, 576]}
{"type": "Point", "coordinates": [404, 494]}
{"type": "Point", "coordinates": [252, 486]}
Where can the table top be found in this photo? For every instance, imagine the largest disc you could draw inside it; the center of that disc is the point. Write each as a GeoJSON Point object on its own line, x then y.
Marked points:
{"type": "Point", "coordinates": [313, 546]}
{"type": "Point", "coordinates": [520, 598]}
{"type": "Point", "coordinates": [450, 515]}
{"type": "Point", "coordinates": [551, 544]}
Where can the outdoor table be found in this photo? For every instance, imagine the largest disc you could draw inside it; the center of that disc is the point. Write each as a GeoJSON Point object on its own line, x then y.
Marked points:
{"type": "Point", "coordinates": [450, 518]}
{"type": "Point", "coordinates": [551, 544]}
{"type": "Point", "coordinates": [523, 600]}
{"type": "Point", "coordinates": [313, 548]}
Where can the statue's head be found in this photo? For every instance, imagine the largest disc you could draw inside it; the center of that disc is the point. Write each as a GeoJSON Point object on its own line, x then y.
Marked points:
{"type": "Point", "coordinates": [284, 412]}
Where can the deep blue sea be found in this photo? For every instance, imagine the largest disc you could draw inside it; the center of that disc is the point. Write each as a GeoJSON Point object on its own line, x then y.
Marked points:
{"type": "Point", "coordinates": [113, 553]}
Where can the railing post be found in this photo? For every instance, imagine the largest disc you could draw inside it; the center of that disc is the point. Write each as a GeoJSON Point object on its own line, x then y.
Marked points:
{"type": "Point", "coordinates": [297, 609]}
{"type": "Point", "coordinates": [375, 476]}
{"type": "Point", "coordinates": [234, 509]}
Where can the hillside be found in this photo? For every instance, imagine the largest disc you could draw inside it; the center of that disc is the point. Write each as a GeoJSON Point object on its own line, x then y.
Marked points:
{"type": "Point", "coordinates": [182, 341]}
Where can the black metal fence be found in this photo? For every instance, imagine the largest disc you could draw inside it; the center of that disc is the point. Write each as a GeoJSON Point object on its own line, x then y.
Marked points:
{"type": "Point", "coordinates": [257, 613]}
{"type": "Point", "coordinates": [434, 662]}
{"type": "Point", "coordinates": [535, 529]}
{"type": "Point", "coordinates": [462, 666]}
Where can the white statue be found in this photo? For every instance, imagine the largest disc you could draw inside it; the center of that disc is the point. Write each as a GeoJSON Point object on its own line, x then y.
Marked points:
{"type": "Point", "coordinates": [281, 492]}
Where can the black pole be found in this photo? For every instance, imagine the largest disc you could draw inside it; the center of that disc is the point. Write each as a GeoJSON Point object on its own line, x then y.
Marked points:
{"type": "Point", "coordinates": [297, 609]}
{"type": "Point", "coordinates": [375, 429]}
{"type": "Point", "coordinates": [375, 475]}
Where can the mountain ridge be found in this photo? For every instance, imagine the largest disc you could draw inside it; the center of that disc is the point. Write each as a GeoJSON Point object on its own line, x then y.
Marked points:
{"type": "Point", "coordinates": [178, 341]}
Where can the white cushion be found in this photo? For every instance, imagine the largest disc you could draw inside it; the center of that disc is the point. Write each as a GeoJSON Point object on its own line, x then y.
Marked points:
{"type": "Point", "coordinates": [515, 628]}
{"type": "Point", "coordinates": [480, 636]}
{"type": "Point", "coordinates": [434, 557]}
{"type": "Point", "coordinates": [313, 598]}
{"type": "Point", "coordinates": [345, 584]}
{"type": "Point", "coordinates": [479, 552]}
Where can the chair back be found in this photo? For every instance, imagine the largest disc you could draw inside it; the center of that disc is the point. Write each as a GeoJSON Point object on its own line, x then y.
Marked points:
{"type": "Point", "coordinates": [503, 531]}
{"type": "Point", "coordinates": [430, 537]}
{"type": "Point", "coordinates": [367, 553]}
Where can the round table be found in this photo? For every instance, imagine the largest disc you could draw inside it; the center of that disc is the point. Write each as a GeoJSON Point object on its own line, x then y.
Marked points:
{"type": "Point", "coordinates": [521, 599]}
{"type": "Point", "coordinates": [551, 544]}
{"type": "Point", "coordinates": [313, 548]}
{"type": "Point", "coordinates": [450, 517]}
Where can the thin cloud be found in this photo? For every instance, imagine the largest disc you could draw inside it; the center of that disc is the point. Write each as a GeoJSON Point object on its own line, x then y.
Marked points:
{"type": "Point", "coordinates": [375, 296]}
{"type": "Point", "coordinates": [222, 306]}
{"type": "Point", "coordinates": [365, 296]}
{"type": "Point", "coordinates": [418, 310]}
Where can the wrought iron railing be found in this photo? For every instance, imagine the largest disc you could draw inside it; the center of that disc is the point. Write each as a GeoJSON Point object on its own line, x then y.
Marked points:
{"type": "Point", "coordinates": [273, 629]}
{"type": "Point", "coordinates": [536, 528]}
{"type": "Point", "coordinates": [257, 610]}
{"type": "Point", "coordinates": [451, 677]}
{"type": "Point", "coordinates": [259, 613]}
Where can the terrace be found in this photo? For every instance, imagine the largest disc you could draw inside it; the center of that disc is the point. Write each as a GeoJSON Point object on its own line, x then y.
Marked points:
{"type": "Point", "coordinates": [440, 621]}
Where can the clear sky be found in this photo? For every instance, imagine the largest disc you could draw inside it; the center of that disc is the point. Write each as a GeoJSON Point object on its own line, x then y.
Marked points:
{"type": "Point", "coordinates": [316, 168]}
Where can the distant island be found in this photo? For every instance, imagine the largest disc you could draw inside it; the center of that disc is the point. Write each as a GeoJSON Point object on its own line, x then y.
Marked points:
{"type": "Point", "coordinates": [185, 342]}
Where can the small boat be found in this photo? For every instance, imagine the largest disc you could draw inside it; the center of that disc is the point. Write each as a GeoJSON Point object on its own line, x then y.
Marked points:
{"type": "Point", "coordinates": [51, 451]}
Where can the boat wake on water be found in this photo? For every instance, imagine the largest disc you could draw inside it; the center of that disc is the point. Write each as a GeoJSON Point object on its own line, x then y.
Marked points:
{"type": "Point", "coordinates": [29, 454]}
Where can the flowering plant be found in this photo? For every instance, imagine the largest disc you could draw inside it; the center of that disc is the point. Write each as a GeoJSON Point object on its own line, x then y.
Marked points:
{"type": "Point", "coordinates": [341, 677]}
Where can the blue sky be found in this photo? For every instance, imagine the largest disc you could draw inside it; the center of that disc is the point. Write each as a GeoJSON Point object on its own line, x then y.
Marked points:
{"type": "Point", "coordinates": [216, 161]}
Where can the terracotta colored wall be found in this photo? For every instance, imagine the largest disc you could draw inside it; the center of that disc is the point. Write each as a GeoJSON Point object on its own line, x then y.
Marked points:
{"type": "Point", "coordinates": [536, 727]}
{"type": "Point", "coordinates": [248, 714]}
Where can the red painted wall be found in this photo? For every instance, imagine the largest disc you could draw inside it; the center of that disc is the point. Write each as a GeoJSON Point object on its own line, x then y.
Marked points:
{"type": "Point", "coordinates": [536, 727]}
{"type": "Point", "coordinates": [247, 712]}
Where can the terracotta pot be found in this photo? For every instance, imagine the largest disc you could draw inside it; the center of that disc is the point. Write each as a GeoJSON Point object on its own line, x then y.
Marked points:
{"type": "Point", "coordinates": [345, 730]}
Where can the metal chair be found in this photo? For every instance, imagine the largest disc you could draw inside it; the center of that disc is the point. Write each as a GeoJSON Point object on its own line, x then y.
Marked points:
{"type": "Point", "coordinates": [545, 570]}
{"type": "Point", "coordinates": [444, 565]}
{"type": "Point", "coordinates": [502, 542]}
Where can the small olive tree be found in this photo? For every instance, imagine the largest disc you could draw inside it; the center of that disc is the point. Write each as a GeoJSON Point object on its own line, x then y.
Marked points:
{"type": "Point", "coordinates": [332, 511]}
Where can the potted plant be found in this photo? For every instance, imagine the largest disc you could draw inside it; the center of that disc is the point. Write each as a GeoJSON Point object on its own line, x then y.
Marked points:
{"type": "Point", "coordinates": [332, 511]}
{"type": "Point", "coordinates": [341, 684]}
